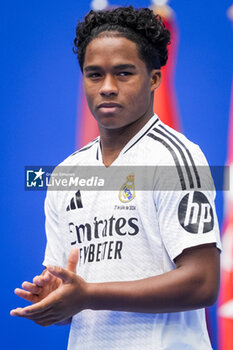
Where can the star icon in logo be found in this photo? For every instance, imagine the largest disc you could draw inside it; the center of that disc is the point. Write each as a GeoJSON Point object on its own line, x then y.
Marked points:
{"type": "Point", "coordinates": [38, 174]}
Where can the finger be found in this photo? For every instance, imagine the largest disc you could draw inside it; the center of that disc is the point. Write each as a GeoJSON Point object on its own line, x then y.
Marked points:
{"type": "Point", "coordinates": [39, 281]}
{"type": "Point", "coordinates": [36, 316]}
{"type": "Point", "coordinates": [32, 311]}
{"type": "Point", "coordinates": [43, 280]}
{"type": "Point", "coordinates": [48, 318]}
{"type": "Point", "coordinates": [20, 312]}
{"type": "Point", "coordinates": [48, 277]}
{"type": "Point", "coordinates": [73, 260]}
{"type": "Point", "coordinates": [31, 287]}
{"type": "Point", "coordinates": [43, 319]}
{"type": "Point", "coordinates": [16, 312]}
{"type": "Point", "coordinates": [61, 273]}
{"type": "Point", "coordinates": [26, 295]}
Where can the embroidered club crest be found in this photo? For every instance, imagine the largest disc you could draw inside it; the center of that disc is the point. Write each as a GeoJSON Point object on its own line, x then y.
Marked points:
{"type": "Point", "coordinates": [127, 191]}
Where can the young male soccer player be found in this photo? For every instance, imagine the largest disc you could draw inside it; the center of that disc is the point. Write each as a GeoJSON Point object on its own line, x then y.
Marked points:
{"type": "Point", "coordinates": [148, 260]}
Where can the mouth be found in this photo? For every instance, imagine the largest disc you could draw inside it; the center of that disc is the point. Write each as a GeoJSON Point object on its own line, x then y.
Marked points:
{"type": "Point", "coordinates": [109, 105]}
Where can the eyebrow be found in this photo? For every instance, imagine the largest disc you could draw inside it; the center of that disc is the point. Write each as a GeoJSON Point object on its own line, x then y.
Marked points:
{"type": "Point", "coordinates": [119, 66]}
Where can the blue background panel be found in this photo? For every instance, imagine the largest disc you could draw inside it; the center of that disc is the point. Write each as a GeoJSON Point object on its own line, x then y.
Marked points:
{"type": "Point", "coordinates": [39, 87]}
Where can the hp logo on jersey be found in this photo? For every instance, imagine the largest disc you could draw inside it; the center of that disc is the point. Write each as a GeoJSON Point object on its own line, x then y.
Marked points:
{"type": "Point", "coordinates": [195, 213]}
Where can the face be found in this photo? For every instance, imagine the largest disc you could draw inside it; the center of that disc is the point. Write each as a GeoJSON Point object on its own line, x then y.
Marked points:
{"type": "Point", "coordinates": [119, 88]}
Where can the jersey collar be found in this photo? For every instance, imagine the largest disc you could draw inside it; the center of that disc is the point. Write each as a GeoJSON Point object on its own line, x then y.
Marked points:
{"type": "Point", "coordinates": [135, 139]}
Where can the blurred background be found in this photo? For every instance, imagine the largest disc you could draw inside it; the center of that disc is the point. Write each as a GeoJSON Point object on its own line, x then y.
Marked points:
{"type": "Point", "coordinates": [42, 111]}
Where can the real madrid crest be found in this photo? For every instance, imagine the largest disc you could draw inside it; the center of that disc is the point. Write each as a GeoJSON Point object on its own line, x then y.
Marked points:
{"type": "Point", "coordinates": [127, 191]}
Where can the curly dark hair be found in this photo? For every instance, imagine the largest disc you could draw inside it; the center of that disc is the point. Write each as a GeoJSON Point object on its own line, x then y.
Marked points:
{"type": "Point", "coordinates": [141, 26]}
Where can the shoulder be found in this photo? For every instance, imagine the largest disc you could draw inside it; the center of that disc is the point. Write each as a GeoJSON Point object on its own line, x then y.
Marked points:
{"type": "Point", "coordinates": [184, 157]}
{"type": "Point", "coordinates": [82, 155]}
{"type": "Point", "coordinates": [174, 147]}
{"type": "Point", "coordinates": [64, 175]}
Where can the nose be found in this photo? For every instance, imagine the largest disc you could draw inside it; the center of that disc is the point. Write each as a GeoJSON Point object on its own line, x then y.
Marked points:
{"type": "Point", "coordinates": [109, 86]}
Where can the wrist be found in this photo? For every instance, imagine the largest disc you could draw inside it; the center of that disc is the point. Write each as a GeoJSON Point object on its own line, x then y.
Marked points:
{"type": "Point", "coordinates": [90, 296]}
{"type": "Point", "coordinates": [103, 296]}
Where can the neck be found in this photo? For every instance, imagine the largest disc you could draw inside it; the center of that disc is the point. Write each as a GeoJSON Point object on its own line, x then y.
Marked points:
{"type": "Point", "coordinates": [114, 140]}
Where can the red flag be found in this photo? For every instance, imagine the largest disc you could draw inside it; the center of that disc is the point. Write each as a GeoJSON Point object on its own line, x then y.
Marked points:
{"type": "Point", "coordinates": [87, 127]}
{"type": "Point", "coordinates": [225, 310]}
{"type": "Point", "coordinates": [165, 100]}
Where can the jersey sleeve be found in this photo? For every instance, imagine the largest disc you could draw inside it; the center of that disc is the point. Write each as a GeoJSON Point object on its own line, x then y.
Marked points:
{"type": "Point", "coordinates": [55, 250]}
{"type": "Point", "coordinates": [186, 212]}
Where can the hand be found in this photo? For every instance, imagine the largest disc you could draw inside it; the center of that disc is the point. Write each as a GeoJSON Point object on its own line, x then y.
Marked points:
{"type": "Point", "coordinates": [60, 296]}
{"type": "Point", "coordinates": [42, 286]}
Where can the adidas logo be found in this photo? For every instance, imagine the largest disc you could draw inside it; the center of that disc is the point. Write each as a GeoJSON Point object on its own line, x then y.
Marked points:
{"type": "Point", "coordinates": [75, 202]}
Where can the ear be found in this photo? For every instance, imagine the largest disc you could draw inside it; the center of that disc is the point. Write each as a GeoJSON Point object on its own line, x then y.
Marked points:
{"type": "Point", "coordinates": [155, 79]}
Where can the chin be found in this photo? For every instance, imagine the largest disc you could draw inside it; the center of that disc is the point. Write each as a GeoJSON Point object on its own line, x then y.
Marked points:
{"type": "Point", "coordinates": [110, 122]}
{"type": "Point", "coordinates": [111, 126]}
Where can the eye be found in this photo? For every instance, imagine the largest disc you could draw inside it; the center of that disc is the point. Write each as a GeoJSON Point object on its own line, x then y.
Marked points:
{"type": "Point", "coordinates": [93, 75]}
{"type": "Point", "coordinates": [124, 74]}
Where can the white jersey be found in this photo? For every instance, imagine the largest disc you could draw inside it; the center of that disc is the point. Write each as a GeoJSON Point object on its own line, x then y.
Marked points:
{"type": "Point", "coordinates": [127, 234]}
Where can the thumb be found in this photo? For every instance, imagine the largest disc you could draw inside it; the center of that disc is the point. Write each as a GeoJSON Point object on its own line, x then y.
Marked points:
{"type": "Point", "coordinates": [72, 260]}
